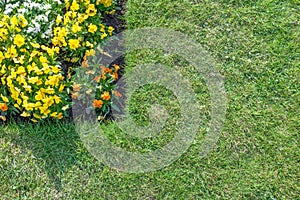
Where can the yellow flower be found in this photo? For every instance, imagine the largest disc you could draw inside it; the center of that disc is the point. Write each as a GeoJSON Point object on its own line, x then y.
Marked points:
{"type": "Point", "coordinates": [91, 10]}
{"type": "Point", "coordinates": [67, 4]}
{"type": "Point", "coordinates": [19, 40]}
{"type": "Point", "coordinates": [54, 80]}
{"type": "Point", "coordinates": [3, 118]}
{"type": "Point", "coordinates": [50, 51]}
{"type": "Point", "coordinates": [74, 14]}
{"type": "Point", "coordinates": [102, 28]}
{"type": "Point", "coordinates": [61, 88]}
{"type": "Point", "coordinates": [106, 3]}
{"type": "Point", "coordinates": [59, 19]}
{"type": "Point", "coordinates": [65, 107]}
{"type": "Point", "coordinates": [57, 99]}
{"type": "Point", "coordinates": [56, 115]}
{"type": "Point", "coordinates": [27, 88]}
{"type": "Point", "coordinates": [88, 44]}
{"type": "Point", "coordinates": [1, 56]}
{"type": "Point", "coordinates": [33, 80]}
{"type": "Point", "coordinates": [25, 114]}
{"type": "Point", "coordinates": [91, 52]}
{"type": "Point", "coordinates": [35, 45]}
{"type": "Point", "coordinates": [5, 99]}
{"type": "Point", "coordinates": [55, 41]}
{"type": "Point", "coordinates": [76, 28]}
{"type": "Point", "coordinates": [14, 21]}
{"type": "Point", "coordinates": [75, 6]}
{"type": "Point", "coordinates": [19, 60]}
{"type": "Point", "coordinates": [74, 44]}
{"type": "Point", "coordinates": [66, 20]}
{"type": "Point", "coordinates": [62, 32]}
{"type": "Point", "coordinates": [48, 90]}
{"type": "Point", "coordinates": [110, 30]}
{"type": "Point", "coordinates": [11, 52]}
{"type": "Point", "coordinates": [3, 31]}
{"type": "Point", "coordinates": [37, 116]}
{"type": "Point", "coordinates": [104, 35]}
{"type": "Point", "coordinates": [55, 69]}
{"type": "Point", "coordinates": [92, 28]}
{"type": "Point", "coordinates": [82, 17]}
{"type": "Point", "coordinates": [23, 21]}
{"type": "Point", "coordinates": [43, 60]}
{"type": "Point", "coordinates": [105, 96]}
{"type": "Point", "coordinates": [60, 116]}
{"type": "Point", "coordinates": [39, 95]}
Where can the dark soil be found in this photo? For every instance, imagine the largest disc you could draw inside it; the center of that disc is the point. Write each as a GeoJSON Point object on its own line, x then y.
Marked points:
{"type": "Point", "coordinates": [117, 20]}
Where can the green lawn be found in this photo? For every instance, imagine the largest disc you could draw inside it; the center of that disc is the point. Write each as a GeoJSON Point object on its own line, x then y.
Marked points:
{"type": "Point", "coordinates": [257, 46]}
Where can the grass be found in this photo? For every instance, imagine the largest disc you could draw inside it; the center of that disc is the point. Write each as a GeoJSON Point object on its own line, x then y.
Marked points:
{"type": "Point", "coordinates": [256, 44]}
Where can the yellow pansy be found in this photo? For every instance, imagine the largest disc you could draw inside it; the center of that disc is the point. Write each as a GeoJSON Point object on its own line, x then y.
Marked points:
{"type": "Point", "coordinates": [74, 44]}
{"type": "Point", "coordinates": [1, 57]}
{"type": "Point", "coordinates": [11, 52]}
{"type": "Point", "coordinates": [92, 28]}
{"type": "Point", "coordinates": [58, 19]}
{"type": "Point", "coordinates": [91, 10]}
{"type": "Point", "coordinates": [25, 114]}
{"type": "Point", "coordinates": [76, 28]}
{"type": "Point", "coordinates": [75, 6]}
{"type": "Point", "coordinates": [5, 99]}
{"type": "Point", "coordinates": [14, 21]}
{"type": "Point", "coordinates": [104, 35]}
{"type": "Point", "coordinates": [19, 40]}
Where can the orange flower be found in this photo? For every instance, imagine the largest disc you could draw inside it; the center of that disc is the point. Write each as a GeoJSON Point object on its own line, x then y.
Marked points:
{"type": "Point", "coordinates": [117, 93]}
{"type": "Point", "coordinates": [3, 107]}
{"type": "Point", "coordinates": [98, 103]}
{"type": "Point", "coordinates": [85, 63]}
{"type": "Point", "coordinates": [90, 72]}
{"type": "Point", "coordinates": [117, 67]}
{"type": "Point", "coordinates": [75, 95]}
{"type": "Point", "coordinates": [76, 87]}
{"type": "Point", "coordinates": [97, 79]}
{"type": "Point", "coordinates": [115, 76]}
{"type": "Point", "coordinates": [105, 96]}
{"type": "Point", "coordinates": [105, 69]}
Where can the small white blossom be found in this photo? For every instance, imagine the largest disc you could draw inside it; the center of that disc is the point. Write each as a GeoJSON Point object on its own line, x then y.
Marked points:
{"type": "Point", "coordinates": [22, 10]}
{"type": "Point", "coordinates": [47, 7]}
{"type": "Point", "coordinates": [8, 11]}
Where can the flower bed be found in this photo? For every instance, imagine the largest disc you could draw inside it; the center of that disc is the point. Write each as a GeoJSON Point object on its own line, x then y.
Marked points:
{"type": "Point", "coordinates": [42, 43]}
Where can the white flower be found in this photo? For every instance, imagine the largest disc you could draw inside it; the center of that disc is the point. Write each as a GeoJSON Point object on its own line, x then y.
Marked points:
{"type": "Point", "coordinates": [30, 30]}
{"type": "Point", "coordinates": [22, 10]}
{"type": "Point", "coordinates": [48, 12]}
{"type": "Point", "coordinates": [8, 11]}
{"type": "Point", "coordinates": [41, 18]}
{"type": "Point", "coordinates": [47, 7]}
{"type": "Point", "coordinates": [47, 34]}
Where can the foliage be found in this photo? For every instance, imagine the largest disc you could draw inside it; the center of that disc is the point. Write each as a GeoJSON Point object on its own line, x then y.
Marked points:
{"type": "Point", "coordinates": [36, 38]}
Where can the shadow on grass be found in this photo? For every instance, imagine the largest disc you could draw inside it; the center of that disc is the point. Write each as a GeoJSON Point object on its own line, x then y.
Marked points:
{"type": "Point", "coordinates": [56, 147]}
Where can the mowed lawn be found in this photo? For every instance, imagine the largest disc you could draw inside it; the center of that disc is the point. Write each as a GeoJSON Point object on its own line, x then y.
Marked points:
{"type": "Point", "coordinates": [257, 47]}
